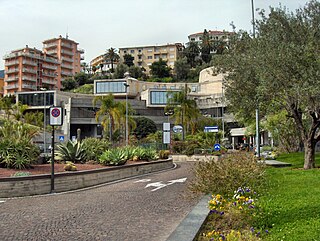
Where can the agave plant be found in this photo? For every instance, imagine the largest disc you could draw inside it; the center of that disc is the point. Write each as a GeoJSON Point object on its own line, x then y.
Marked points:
{"type": "Point", "coordinates": [94, 148]}
{"type": "Point", "coordinates": [115, 157]}
{"type": "Point", "coordinates": [72, 151]}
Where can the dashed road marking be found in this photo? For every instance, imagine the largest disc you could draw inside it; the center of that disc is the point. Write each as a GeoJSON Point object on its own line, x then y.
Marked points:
{"type": "Point", "coordinates": [2, 201]}
{"type": "Point", "coordinates": [143, 180]}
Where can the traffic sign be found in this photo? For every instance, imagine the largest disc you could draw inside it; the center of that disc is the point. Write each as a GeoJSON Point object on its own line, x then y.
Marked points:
{"type": "Point", "coordinates": [177, 129]}
{"type": "Point", "coordinates": [217, 147]}
{"type": "Point", "coordinates": [211, 129]}
{"type": "Point", "coordinates": [61, 138]}
{"type": "Point", "coordinates": [56, 116]}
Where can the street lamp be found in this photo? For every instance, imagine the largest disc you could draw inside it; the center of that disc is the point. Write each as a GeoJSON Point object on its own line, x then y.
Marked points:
{"type": "Point", "coordinates": [169, 113]}
{"type": "Point", "coordinates": [44, 119]}
{"type": "Point", "coordinates": [257, 109]}
{"type": "Point", "coordinates": [127, 75]}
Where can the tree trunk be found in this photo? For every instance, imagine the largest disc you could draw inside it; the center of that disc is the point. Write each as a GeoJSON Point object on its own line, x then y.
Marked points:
{"type": "Point", "coordinates": [309, 154]}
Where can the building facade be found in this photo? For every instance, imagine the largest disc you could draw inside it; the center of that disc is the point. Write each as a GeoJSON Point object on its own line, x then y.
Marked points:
{"type": "Point", "coordinates": [68, 54]}
{"type": "Point", "coordinates": [213, 35]}
{"type": "Point", "coordinates": [144, 56]}
{"type": "Point", "coordinates": [101, 64]}
{"type": "Point", "coordinates": [29, 69]}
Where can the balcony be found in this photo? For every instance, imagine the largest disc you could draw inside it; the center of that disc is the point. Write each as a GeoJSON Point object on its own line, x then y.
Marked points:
{"type": "Point", "coordinates": [12, 79]}
{"type": "Point", "coordinates": [49, 81]}
{"type": "Point", "coordinates": [51, 60]}
{"type": "Point", "coordinates": [10, 71]}
{"type": "Point", "coordinates": [52, 51]}
{"type": "Point", "coordinates": [49, 74]}
{"type": "Point", "coordinates": [50, 45]}
{"type": "Point", "coordinates": [12, 63]}
{"type": "Point", "coordinates": [81, 51]}
{"type": "Point", "coordinates": [25, 70]}
{"type": "Point", "coordinates": [66, 73]}
{"type": "Point", "coordinates": [52, 67]}
{"type": "Point", "coordinates": [67, 59]}
{"type": "Point", "coordinates": [11, 87]}
{"type": "Point", "coordinates": [81, 57]}
{"type": "Point", "coordinates": [66, 45]}
{"type": "Point", "coordinates": [27, 62]}
{"type": "Point", "coordinates": [31, 87]}
{"type": "Point", "coordinates": [66, 66]}
{"type": "Point", "coordinates": [29, 78]}
{"type": "Point", "coordinates": [67, 52]}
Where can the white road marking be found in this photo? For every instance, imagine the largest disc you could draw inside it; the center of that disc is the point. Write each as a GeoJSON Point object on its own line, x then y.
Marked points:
{"type": "Point", "coordinates": [2, 201]}
{"type": "Point", "coordinates": [159, 185]}
{"type": "Point", "coordinates": [143, 180]}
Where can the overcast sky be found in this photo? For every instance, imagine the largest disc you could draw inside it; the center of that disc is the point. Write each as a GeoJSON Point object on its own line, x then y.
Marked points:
{"type": "Point", "coordinates": [100, 24]}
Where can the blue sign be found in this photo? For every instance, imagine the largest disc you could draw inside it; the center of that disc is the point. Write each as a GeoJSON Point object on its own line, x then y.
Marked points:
{"type": "Point", "coordinates": [217, 147]}
{"type": "Point", "coordinates": [211, 129]}
{"type": "Point", "coordinates": [61, 138]}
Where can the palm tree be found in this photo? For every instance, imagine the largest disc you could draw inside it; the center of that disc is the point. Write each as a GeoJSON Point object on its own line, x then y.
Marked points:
{"type": "Point", "coordinates": [185, 110]}
{"type": "Point", "coordinates": [112, 57]}
{"type": "Point", "coordinates": [110, 113]}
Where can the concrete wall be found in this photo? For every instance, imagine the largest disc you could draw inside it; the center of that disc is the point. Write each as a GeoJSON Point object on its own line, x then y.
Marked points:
{"type": "Point", "coordinates": [41, 184]}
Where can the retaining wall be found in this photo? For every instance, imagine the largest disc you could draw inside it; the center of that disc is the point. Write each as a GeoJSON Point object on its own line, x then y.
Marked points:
{"type": "Point", "coordinates": [41, 184]}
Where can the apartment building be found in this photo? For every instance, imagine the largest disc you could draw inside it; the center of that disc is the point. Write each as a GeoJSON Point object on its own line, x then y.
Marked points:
{"type": "Point", "coordinates": [1, 82]}
{"type": "Point", "coordinates": [101, 61]}
{"type": "Point", "coordinates": [214, 35]}
{"type": "Point", "coordinates": [68, 54]}
{"type": "Point", "coordinates": [29, 69]}
{"type": "Point", "coordinates": [144, 56]}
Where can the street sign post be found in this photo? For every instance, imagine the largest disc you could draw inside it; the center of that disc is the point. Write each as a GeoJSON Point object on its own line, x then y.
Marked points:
{"type": "Point", "coordinates": [56, 119]}
{"type": "Point", "coordinates": [217, 147]}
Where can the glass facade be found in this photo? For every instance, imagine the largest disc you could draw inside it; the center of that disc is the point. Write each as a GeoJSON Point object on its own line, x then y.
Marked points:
{"type": "Point", "coordinates": [110, 87]}
{"type": "Point", "coordinates": [159, 97]}
{"type": "Point", "coordinates": [37, 99]}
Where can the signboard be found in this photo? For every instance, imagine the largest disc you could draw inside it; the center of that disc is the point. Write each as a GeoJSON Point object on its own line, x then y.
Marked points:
{"type": "Point", "coordinates": [211, 129]}
{"type": "Point", "coordinates": [166, 126]}
{"type": "Point", "coordinates": [166, 137]}
{"type": "Point", "coordinates": [177, 129]}
{"type": "Point", "coordinates": [56, 116]}
{"type": "Point", "coordinates": [217, 147]}
{"type": "Point", "coordinates": [61, 138]}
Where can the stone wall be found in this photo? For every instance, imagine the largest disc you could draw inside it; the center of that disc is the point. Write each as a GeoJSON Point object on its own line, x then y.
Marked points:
{"type": "Point", "coordinates": [41, 184]}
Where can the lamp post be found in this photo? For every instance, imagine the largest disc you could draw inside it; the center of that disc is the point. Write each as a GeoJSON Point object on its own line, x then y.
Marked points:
{"type": "Point", "coordinates": [257, 109]}
{"type": "Point", "coordinates": [44, 119]}
{"type": "Point", "coordinates": [222, 110]}
{"type": "Point", "coordinates": [126, 75]}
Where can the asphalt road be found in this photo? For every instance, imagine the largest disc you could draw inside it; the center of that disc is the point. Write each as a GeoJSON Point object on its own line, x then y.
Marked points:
{"type": "Point", "coordinates": [144, 208]}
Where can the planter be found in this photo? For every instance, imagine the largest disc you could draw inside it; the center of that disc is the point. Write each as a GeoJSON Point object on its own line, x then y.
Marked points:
{"type": "Point", "coordinates": [41, 184]}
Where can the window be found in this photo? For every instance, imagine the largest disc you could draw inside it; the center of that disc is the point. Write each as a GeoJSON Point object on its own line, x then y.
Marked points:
{"type": "Point", "coordinates": [171, 56]}
{"type": "Point", "coordinates": [110, 87]}
{"type": "Point", "coordinates": [132, 51]}
{"type": "Point", "coordinates": [149, 50]}
{"type": "Point", "coordinates": [149, 57]}
{"type": "Point", "coordinates": [171, 49]}
{"type": "Point", "coordinates": [159, 97]}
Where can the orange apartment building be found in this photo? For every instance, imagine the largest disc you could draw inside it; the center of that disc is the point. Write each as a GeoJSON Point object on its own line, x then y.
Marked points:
{"type": "Point", "coordinates": [67, 52]}
{"type": "Point", "coordinates": [30, 69]}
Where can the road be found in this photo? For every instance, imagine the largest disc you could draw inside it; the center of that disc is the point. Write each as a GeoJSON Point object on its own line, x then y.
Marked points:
{"type": "Point", "coordinates": [144, 208]}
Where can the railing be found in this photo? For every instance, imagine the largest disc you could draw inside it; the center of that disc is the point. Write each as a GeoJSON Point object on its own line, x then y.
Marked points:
{"type": "Point", "coordinates": [47, 81]}
{"type": "Point", "coordinates": [10, 87]}
{"type": "Point", "coordinates": [12, 71]}
{"type": "Point", "coordinates": [29, 70]}
{"type": "Point", "coordinates": [50, 45]}
{"type": "Point", "coordinates": [28, 78]}
{"type": "Point", "coordinates": [67, 52]}
{"type": "Point", "coordinates": [51, 60]}
{"type": "Point", "coordinates": [49, 74]}
{"type": "Point", "coordinates": [67, 59]}
{"type": "Point", "coordinates": [32, 87]}
{"type": "Point", "coordinates": [66, 66]}
{"type": "Point", "coordinates": [81, 50]}
{"type": "Point", "coordinates": [52, 67]}
{"type": "Point", "coordinates": [29, 62]}
{"type": "Point", "coordinates": [12, 63]}
{"type": "Point", "coordinates": [66, 73]}
{"type": "Point", "coordinates": [67, 45]}
{"type": "Point", "coordinates": [12, 79]}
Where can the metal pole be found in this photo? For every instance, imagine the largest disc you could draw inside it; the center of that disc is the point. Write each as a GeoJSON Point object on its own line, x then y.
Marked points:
{"type": "Point", "coordinates": [52, 160]}
{"type": "Point", "coordinates": [257, 109]}
{"type": "Point", "coordinates": [222, 112]}
{"type": "Point", "coordinates": [44, 123]}
{"type": "Point", "coordinates": [127, 126]}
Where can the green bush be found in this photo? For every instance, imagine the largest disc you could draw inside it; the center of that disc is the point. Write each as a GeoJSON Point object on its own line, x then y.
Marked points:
{"type": "Point", "coordinates": [227, 174]}
{"type": "Point", "coordinates": [16, 147]}
{"type": "Point", "coordinates": [94, 148]}
{"type": "Point", "coordinates": [71, 151]}
{"type": "Point", "coordinates": [116, 156]}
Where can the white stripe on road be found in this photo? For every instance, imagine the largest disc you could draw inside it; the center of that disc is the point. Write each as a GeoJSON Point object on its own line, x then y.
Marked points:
{"type": "Point", "coordinates": [143, 180]}
{"type": "Point", "coordinates": [2, 201]}
{"type": "Point", "coordinates": [159, 185]}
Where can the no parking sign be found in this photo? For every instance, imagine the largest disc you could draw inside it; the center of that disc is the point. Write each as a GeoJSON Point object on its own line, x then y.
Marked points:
{"type": "Point", "coordinates": [56, 116]}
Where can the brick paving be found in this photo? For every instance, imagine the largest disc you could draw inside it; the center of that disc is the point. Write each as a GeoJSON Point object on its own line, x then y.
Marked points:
{"type": "Point", "coordinates": [122, 211]}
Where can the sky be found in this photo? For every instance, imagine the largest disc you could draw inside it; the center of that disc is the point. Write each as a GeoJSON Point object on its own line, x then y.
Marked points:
{"type": "Point", "coordinates": [98, 25]}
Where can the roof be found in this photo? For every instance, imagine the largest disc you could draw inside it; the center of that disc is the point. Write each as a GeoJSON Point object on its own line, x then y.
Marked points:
{"type": "Point", "coordinates": [152, 46]}
{"type": "Point", "coordinates": [211, 32]}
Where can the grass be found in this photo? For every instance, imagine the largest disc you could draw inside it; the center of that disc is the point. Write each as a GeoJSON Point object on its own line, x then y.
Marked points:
{"type": "Point", "coordinates": [290, 205]}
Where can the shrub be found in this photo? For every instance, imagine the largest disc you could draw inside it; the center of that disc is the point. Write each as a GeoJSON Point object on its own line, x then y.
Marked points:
{"type": "Point", "coordinates": [16, 147]}
{"type": "Point", "coordinates": [70, 166]}
{"type": "Point", "coordinates": [94, 148]}
{"type": "Point", "coordinates": [227, 174]}
{"type": "Point", "coordinates": [164, 154]}
{"type": "Point", "coordinates": [72, 151]}
{"type": "Point", "coordinates": [115, 157]}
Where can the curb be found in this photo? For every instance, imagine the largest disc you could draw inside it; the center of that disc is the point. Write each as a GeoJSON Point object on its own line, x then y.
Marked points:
{"type": "Point", "coordinates": [188, 229]}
